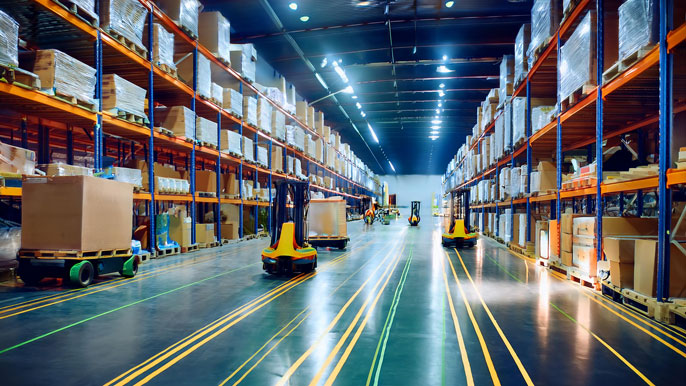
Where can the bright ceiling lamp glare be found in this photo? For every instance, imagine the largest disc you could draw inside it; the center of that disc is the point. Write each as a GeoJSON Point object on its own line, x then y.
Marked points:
{"type": "Point", "coordinates": [441, 93]}
{"type": "Point", "coordinates": [354, 96]}
{"type": "Point", "coordinates": [325, 62]}
{"type": "Point", "coordinates": [363, 114]}
{"type": "Point", "coordinates": [392, 168]}
{"type": "Point", "coordinates": [440, 104]}
{"type": "Point", "coordinates": [293, 6]}
{"type": "Point", "coordinates": [433, 137]}
{"type": "Point", "coordinates": [321, 80]}
{"type": "Point", "coordinates": [348, 90]}
{"type": "Point", "coordinates": [438, 111]}
{"type": "Point", "coordinates": [449, 4]}
{"type": "Point", "coordinates": [359, 106]}
{"type": "Point", "coordinates": [304, 18]}
{"type": "Point", "coordinates": [434, 133]}
{"type": "Point", "coordinates": [435, 127]}
{"type": "Point", "coordinates": [436, 121]}
{"type": "Point", "coordinates": [371, 130]}
{"type": "Point", "coordinates": [443, 69]}
{"type": "Point", "coordinates": [445, 58]}
{"type": "Point", "coordinates": [441, 85]}
{"type": "Point", "coordinates": [341, 73]}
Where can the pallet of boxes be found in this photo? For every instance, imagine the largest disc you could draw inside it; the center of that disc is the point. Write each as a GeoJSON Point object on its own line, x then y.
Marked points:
{"type": "Point", "coordinates": [327, 223]}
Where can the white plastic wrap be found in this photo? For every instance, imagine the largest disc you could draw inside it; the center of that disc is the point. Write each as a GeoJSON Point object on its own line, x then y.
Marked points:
{"type": "Point", "coordinates": [162, 46]}
{"type": "Point", "coordinates": [233, 101]}
{"type": "Point", "coordinates": [243, 59]}
{"type": "Point", "coordinates": [132, 176]}
{"type": "Point", "coordinates": [250, 110]}
{"type": "Point", "coordinates": [522, 180]}
{"type": "Point", "coordinates": [217, 94]}
{"type": "Point", "coordinates": [206, 131]}
{"type": "Point", "coordinates": [521, 65]}
{"type": "Point", "coordinates": [518, 119]}
{"type": "Point", "coordinates": [264, 115]}
{"type": "Point", "coordinates": [184, 12]}
{"type": "Point", "coordinates": [577, 58]}
{"type": "Point", "coordinates": [125, 18]}
{"type": "Point", "coordinates": [506, 225]}
{"type": "Point", "coordinates": [60, 73]}
{"type": "Point", "coordinates": [9, 38]}
{"type": "Point", "coordinates": [515, 183]}
{"type": "Point", "coordinates": [278, 125]}
{"type": "Point", "coordinates": [248, 149]}
{"type": "Point", "coordinates": [507, 133]}
{"type": "Point", "coordinates": [639, 26]}
{"type": "Point", "coordinates": [506, 79]}
{"type": "Point", "coordinates": [231, 143]}
{"type": "Point", "coordinates": [215, 34]}
{"type": "Point", "coordinates": [541, 116]}
{"type": "Point", "coordinates": [262, 156]}
{"type": "Point", "coordinates": [120, 94]}
{"type": "Point", "coordinates": [545, 19]}
{"type": "Point", "coordinates": [204, 77]}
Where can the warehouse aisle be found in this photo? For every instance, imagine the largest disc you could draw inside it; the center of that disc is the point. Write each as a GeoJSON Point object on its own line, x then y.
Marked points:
{"type": "Point", "coordinates": [377, 313]}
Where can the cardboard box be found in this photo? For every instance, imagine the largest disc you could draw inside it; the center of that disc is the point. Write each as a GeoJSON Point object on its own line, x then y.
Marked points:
{"type": "Point", "coordinates": [214, 32]}
{"type": "Point", "coordinates": [547, 176]}
{"type": "Point", "coordinates": [553, 239]}
{"type": "Point", "coordinates": [567, 223]}
{"type": "Point", "coordinates": [229, 230]}
{"type": "Point", "coordinates": [585, 259]}
{"type": "Point", "coordinates": [584, 241]}
{"type": "Point", "coordinates": [622, 274]}
{"type": "Point", "coordinates": [76, 213]}
{"type": "Point", "coordinates": [277, 158]}
{"type": "Point", "coordinates": [15, 159]}
{"type": "Point", "coordinates": [619, 249]}
{"type": "Point", "coordinates": [567, 258]}
{"type": "Point", "coordinates": [645, 269]}
{"type": "Point", "coordinates": [180, 230]}
{"type": "Point", "coordinates": [566, 242]}
{"type": "Point", "coordinates": [584, 226]}
{"type": "Point", "coordinates": [179, 119]}
{"type": "Point", "coordinates": [327, 217]}
{"type": "Point", "coordinates": [204, 233]}
{"type": "Point", "coordinates": [205, 181]}
{"type": "Point", "coordinates": [61, 169]}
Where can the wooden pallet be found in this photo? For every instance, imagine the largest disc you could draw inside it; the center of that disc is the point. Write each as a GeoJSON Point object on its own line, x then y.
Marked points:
{"type": "Point", "coordinates": [540, 48]}
{"type": "Point", "coordinates": [168, 70]}
{"type": "Point", "coordinates": [676, 314]}
{"type": "Point", "coordinates": [143, 257]}
{"type": "Point", "coordinates": [543, 262]}
{"type": "Point", "coordinates": [136, 49]}
{"type": "Point", "coordinates": [18, 77]}
{"type": "Point", "coordinates": [72, 100]}
{"type": "Point", "coordinates": [639, 302]}
{"type": "Point", "coordinates": [568, 11]}
{"type": "Point", "coordinates": [576, 96]}
{"type": "Point", "coordinates": [190, 248]}
{"type": "Point", "coordinates": [132, 118]}
{"type": "Point", "coordinates": [628, 61]}
{"type": "Point", "coordinates": [164, 131]}
{"type": "Point", "coordinates": [84, 14]}
{"type": "Point", "coordinates": [207, 194]}
{"type": "Point", "coordinates": [186, 30]}
{"type": "Point", "coordinates": [576, 275]}
{"type": "Point", "coordinates": [164, 252]}
{"type": "Point", "coordinates": [209, 245]}
{"type": "Point", "coordinates": [208, 145]}
{"type": "Point", "coordinates": [73, 254]}
{"type": "Point", "coordinates": [516, 248]}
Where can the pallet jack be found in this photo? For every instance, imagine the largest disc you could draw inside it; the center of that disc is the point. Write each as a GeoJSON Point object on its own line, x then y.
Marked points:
{"type": "Point", "coordinates": [288, 252]}
{"type": "Point", "coordinates": [414, 214]}
{"type": "Point", "coordinates": [459, 236]}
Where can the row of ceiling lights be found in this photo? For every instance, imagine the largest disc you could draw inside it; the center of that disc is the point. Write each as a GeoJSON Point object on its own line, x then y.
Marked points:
{"type": "Point", "coordinates": [294, 7]}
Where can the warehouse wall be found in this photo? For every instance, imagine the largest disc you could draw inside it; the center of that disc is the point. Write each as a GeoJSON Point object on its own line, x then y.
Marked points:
{"type": "Point", "coordinates": [412, 187]}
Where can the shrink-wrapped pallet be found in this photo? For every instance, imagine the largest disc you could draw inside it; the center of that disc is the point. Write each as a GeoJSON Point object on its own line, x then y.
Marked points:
{"type": "Point", "coordinates": [248, 149]}
{"type": "Point", "coordinates": [541, 116]}
{"type": "Point", "coordinates": [9, 39]}
{"type": "Point", "coordinates": [231, 143]}
{"type": "Point", "coordinates": [515, 183]}
{"type": "Point", "coordinates": [264, 115]}
{"type": "Point", "coordinates": [278, 125]}
{"type": "Point", "coordinates": [233, 102]}
{"type": "Point", "coordinates": [506, 79]}
{"type": "Point", "coordinates": [204, 74]}
{"type": "Point", "coordinates": [545, 19]}
{"type": "Point", "coordinates": [507, 132]}
{"type": "Point", "coordinates": [131, 176]}
{"type": "Point", "coordinates": [179, 119]}
{"type": "Point", "coordinates": [214, 33]}
{"type": "Point", "coordinates": [125, 18]}
{"type": "Point", "coordinates": [521, 64]}
{"type": "Point", "coordinates": [262, 156]}
{"type": "Point", "coordinates": [122, 95]}
{"type": "Point", "coordinates": [243, 58]}
{"type": "Point", "coordinates": [310, 146]}
{"type": "Point", "coordinates": [59, 73]}
{"type": "Point", "coordinates": [639, 26]}
{"type": "Point", "coordinates": [518, 119]}
{"type": "Point", "coordinates": [206, 131]}
{"type": "Point", "coordinates": [577, 58]}
{"type": "Point", "coordinates": [250, 110]}
{"type": "Point", "coordinates": [162, 46]}
{"type": "Point", "coordinates": [217, 94]}
{"type": "Point", "coordinates": [183, 12]}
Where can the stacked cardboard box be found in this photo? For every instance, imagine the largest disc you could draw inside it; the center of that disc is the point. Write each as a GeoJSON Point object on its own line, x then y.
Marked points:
{"type": "Point", "coordinates": [205, 181]}
{"type": "Point", "coordinates": [264, 115]}
{"type": "Point", "coordinates": [9, 29]}
{"type": "Point", "coordinates": [566, 238]}
{"type": "Point", "coordinates": [59, 73]}
{"type": "Point", "coordinates": [250, 110]}
{"type": "Point", "coordinates": [584, 245]}
{"type": "Point", "coordinates": [15, 159]}
{"type": "Point", "coordinates": [278, 125]}
{"type": "Point", "coordinates": [120, 94]}
{"type": "Point", "coordinates": [231, 143]}
{"type": "Point", "coordinates": [184, 12]}
{"type": "Point", "coordinates": [233, 102]}
{"type": "Point", "coordinates": [244, 60]}
{"type": "Point", "coordinates": [248, 150]}
{"type": "Point", "coordinates": [215, 34]}
{"type": "Point", "coordinates": [229, 184]}
{"type": "Point", "coordinates": [206, 131]}
{"type": "Point", "coordinates": [163, 47]}
{"type": "Point", "coordinates": [178, 119]}
{"type": "Point", "coordinates": [277, 158]}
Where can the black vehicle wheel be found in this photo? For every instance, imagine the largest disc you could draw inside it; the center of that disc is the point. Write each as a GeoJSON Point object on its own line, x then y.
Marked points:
{"type": "Point", "coordinates": [82, 274]}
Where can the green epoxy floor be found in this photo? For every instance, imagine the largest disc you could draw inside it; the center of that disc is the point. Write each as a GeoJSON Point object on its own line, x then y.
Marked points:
{"type": "Point", "coordinates": [378, 313]}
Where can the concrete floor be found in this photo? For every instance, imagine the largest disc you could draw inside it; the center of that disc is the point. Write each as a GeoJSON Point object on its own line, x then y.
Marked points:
{"type": "Point", "coordinates": [394, 309]}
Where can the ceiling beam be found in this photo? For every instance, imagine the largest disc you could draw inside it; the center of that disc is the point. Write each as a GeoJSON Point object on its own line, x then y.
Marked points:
{"type": "Point", "coordinates": [479, 77]}
{"type": "Point", "coordinates": [424, 91]}
{"type": "Point", "coordinates": [426, 62]}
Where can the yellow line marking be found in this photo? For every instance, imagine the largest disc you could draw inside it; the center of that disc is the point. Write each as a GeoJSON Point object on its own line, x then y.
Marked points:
{"type": "Point", "coordinates": [458, 331]}
{"type": "Point", "coordinates": [514, 355]}
{"type": "Point", "coordinates": [309, 351]}
{"type": "Point", "coordinates": [482, 342]}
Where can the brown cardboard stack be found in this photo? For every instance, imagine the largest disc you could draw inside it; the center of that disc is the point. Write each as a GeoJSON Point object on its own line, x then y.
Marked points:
{"type": "Point", "coordinates": [204, 233]}
{"type": "Point", "coordinates": [62, 169]}
{"type": "Point", "coordinates": [180, 229]}
{"type": "Point", "coordinates": [120, 94]}
{"type": "Point", "coordinates": [584, 254]}
{"type": "Point", "coordinates": [179, 119]}
{"type": "Point", "coordinates": [76, 213]}
{"type": "Point", "coordinates": [645, 269]}
{"type": "Point", "coordinates": [214, 33]}
{"type": "Point", "coordinates": [327, 217]}
{"type": "Point", "coordinates": [566, 238]}
{"type": "Point", "coordinates": [619, 251]}
{"type": "Point", "coordinates": [277, 158]}
{"type": "Point", "coordinates": [301, 113]}
{"type": "Point", "coordinates": [62, 74]}
{"type": "Point", "coordinates": [15, 159]}
{"type": "Point", "coordinates": [205, 181]}
{"type": "Point", "coordinates": [319, 122]}
{"type": "Point", "coordinates": [229, 184]}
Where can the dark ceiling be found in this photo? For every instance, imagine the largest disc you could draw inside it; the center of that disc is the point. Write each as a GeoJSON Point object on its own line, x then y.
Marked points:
{"type": "Point", "coordinates": [396, 85]}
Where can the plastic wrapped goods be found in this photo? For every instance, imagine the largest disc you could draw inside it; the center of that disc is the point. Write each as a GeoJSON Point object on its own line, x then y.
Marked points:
{"type": "Point", "coordinates": [162, 46]}
{"type": "Point", "coordinates": [521, 64]}
{"type": "Point", "coordinates": [206, 131]}
{"type": "Point", "coordinates": [60, 169]}
{"type": "Point", "coordinates": [262, 156]}
{"type": "Point", "coordinates": [250, 110]}
{"type": "Point", "coordinates": [248, 149]}
{"type": "Point", "coordinates": [507, 133]}
{"type": "Point", "coordinates": [184, 12]}
{"type": "Point", "coordinates": [231, 143]}
{"type": "Point", "coordinates": [506, 79]}
{"type": "Point", "coordinates": [60, 73]}
{"type": "Point", "coordinates": [132, 176]}
{"type": "Point", "coordinates": [215, 34]}
{"type": "Point", "coordinates": [639, 26]}
{"type": "Point", "coordinates": [125, 18]}
{"type": "Point", "coordinates": [278, 125]}
{"type": "Point", "coordinates": [518, 119]}
{"type": "Point", "coordinates": [264, 115]}
{"type": "Point", "coordinates": [577, 58]}
{"type": "Point", "coordinates": [545, 19]}
{"type": "Point", "coordinates": [243, 59]}
{"type": "Point", "coordinates": [15, 159]}
{"type": "Point", "coordinates": [233, 101]}
{"type": "Point", "coordinates": [217, 94]}
{"type": "Point", "coordinates": [120, 94]}
{"type": "Point", "coordinates": [9, 38]}
{"type": "Point", "coordinates": [185, 70]}
{"type": "Point", "coordinates": [179, 119]}
{"type": "Point", "coordinates": [541, 116]}
{"type": "Point", "coordinates": [515, 182]}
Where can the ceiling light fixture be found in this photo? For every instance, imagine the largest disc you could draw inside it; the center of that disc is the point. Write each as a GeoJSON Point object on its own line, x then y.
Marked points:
{"type": "Point", "coordinates": [435, 127]}
{"type": "Point", "coordinates": [436, 122]}
{"type": "Point", "coordinates": [443, 69]}
{"type": "Point", "coordinates": [449, 4]}
{"type": "Point", "coordinates": [293, 6]}
{"type": "Point", "coordinates": [440, 104]}
{"type": "Point", "coordinates": [445, 58]}
{"type": "Point", "coordinates": [441, 93]}
{"type": "Point", "coordinates": [438, 111]}
{"type": "Point", "coordinates": [433, 137]}
{"type": "Point", "coordinates": [440, 85]}
{"type": "Point", "coordinates": [371, 130]}
{"type": "Point", "coordinates": [321, 80]}
{"type": "Point", "coordinates": [363, 114]}
{"type": "Point", "coordinates": [434, 132]}
{"type": "Point", "coordinates": [348, 90]}
{"type": "Point", "coordinates": [341, 73]}
{"type": "Point", "coordinates": [325, 62]}
{"type": "Point", "coordinates": [359, 106]}
{"type": "Point", "coordinates": [354, 96]}
{"type": "Point", "coordinates": [304, 18]}
{"type": "Point", "coordinates": [389, 162]}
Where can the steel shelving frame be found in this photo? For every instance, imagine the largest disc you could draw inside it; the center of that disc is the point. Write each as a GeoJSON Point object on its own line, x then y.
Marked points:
{"type": "Point", "coordinates": [54, 113]}
{"type": "Point", "coordinates": [659, 60]}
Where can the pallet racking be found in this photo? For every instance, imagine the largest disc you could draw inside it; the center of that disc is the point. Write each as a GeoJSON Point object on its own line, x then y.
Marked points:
{"type": "Point", "coordinates": [643, 98]}
{"type": "Point", "coordinates": [77, 130]}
